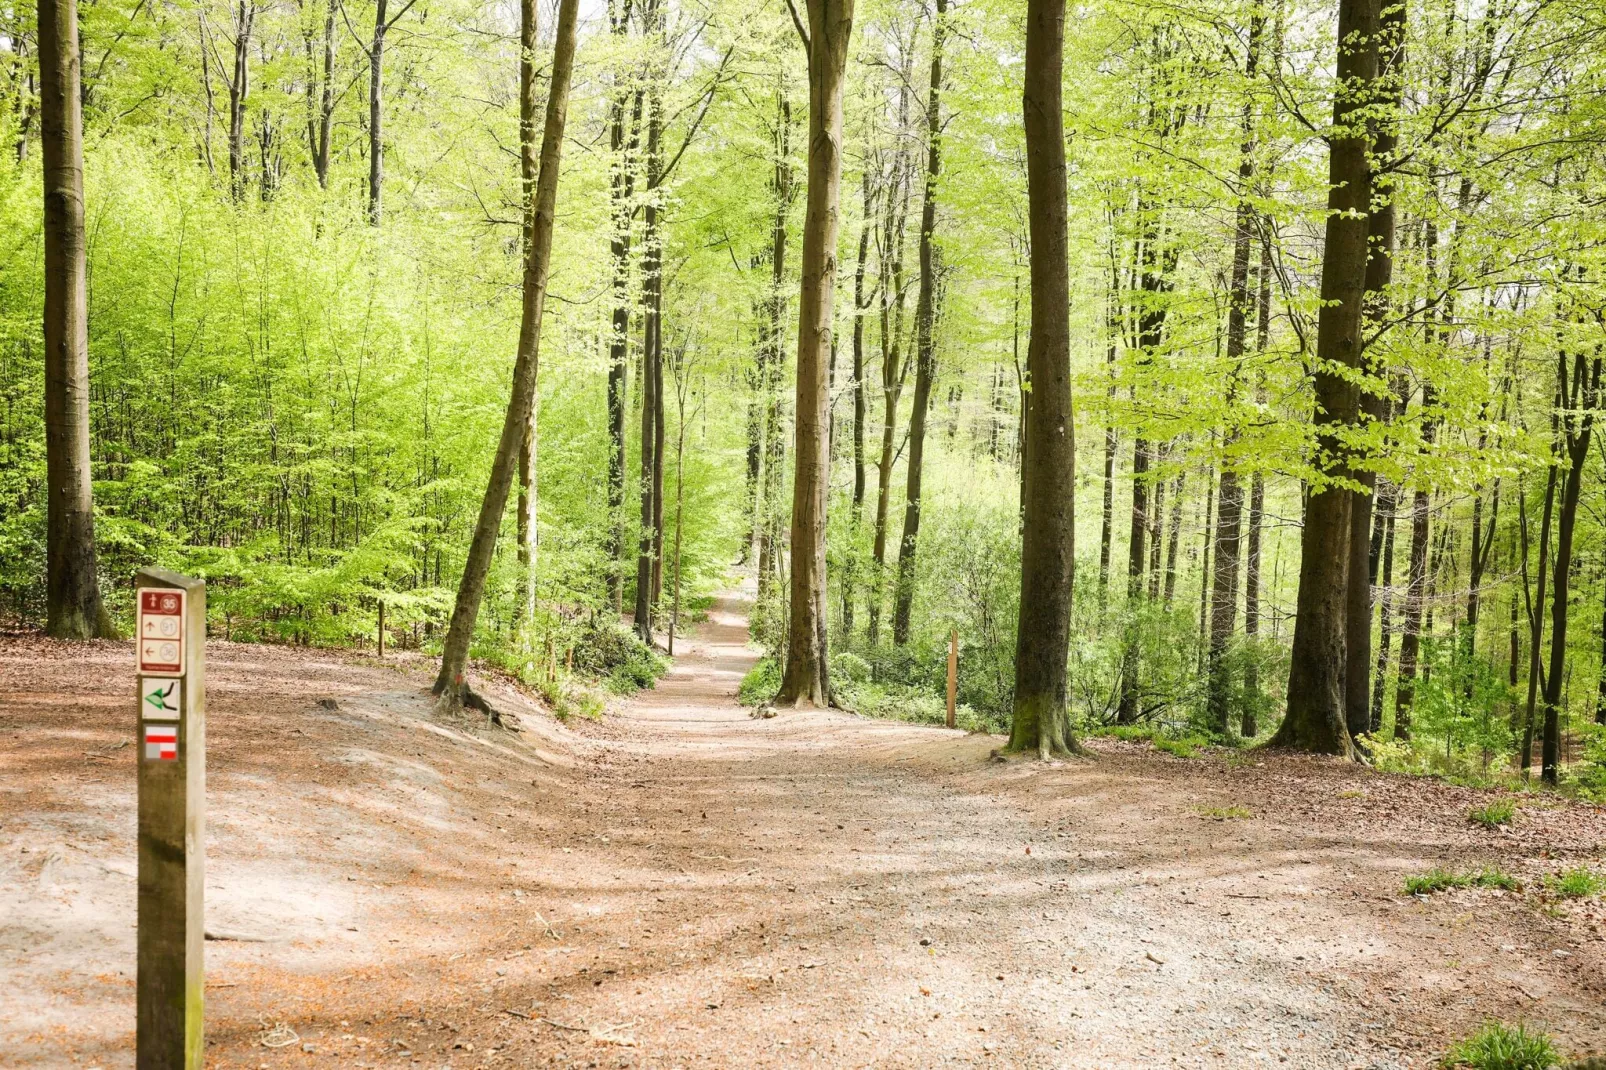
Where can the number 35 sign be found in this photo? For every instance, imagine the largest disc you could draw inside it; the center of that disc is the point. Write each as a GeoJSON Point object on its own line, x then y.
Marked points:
{"type": "Point", "coordinates": [161, 631]}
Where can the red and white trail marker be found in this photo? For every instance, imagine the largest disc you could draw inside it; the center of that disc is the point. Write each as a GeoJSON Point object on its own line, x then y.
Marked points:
{"type": "Point", "coordinates": [160, 631]}
{"type": "Point", "coordinates": [161, 742]}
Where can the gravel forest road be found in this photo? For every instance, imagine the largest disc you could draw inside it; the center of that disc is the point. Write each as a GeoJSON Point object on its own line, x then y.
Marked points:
{"type": "Point", "coordinates": [682, 884]}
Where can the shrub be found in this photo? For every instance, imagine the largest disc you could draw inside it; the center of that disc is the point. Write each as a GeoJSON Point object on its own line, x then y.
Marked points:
{"type": "Point", "coordinates": [760, 684]}
{"type": "Point", "coordinates": [1497, 1046]}
{"type": "Point", "coordinates": [1496, 813]}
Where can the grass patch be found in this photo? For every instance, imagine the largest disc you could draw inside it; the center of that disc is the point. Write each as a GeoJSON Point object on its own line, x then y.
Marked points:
{"type": "Point", "coordinates": [1579, 883]}
{"type": "Point", "coordinates": [1224, 813]}
{"type": "Point", "coordinates": [1443, 880]}
{"type": "Point", "coordinates": [1497, 1046]}
{"type": "Point", "coordinates": [1494, 814]}
{"type": "Point", "coordinates": [1184, 747]}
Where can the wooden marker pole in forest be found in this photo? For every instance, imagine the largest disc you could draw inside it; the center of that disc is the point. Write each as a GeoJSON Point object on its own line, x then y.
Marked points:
{"type": "Point", "coordinates": [953, 674]}
{"type": "Point", "coordinates": [537, 264]}
{"type": "Point", "coordinates": [170, 652]}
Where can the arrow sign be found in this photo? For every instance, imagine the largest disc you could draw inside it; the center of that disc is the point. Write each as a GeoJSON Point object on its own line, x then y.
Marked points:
{"type": "Point", "coordinates": [159, 699]}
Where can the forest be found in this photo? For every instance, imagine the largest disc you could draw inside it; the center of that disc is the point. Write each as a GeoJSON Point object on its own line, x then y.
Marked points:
{"type": "Point", "coordinates": [1135, 462]}
{"type": "Point", "coordinates": [1243, 391]}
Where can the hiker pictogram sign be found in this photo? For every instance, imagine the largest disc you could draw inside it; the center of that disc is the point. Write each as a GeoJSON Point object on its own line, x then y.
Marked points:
{"type": "Point", "coordinates": [161, 631]}
{"type": "Point", "coordinates": [160, 698]}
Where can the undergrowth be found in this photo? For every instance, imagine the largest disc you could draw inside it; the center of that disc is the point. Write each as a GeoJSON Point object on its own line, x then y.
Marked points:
{"type": "Point", "coordinates": [1443, 880]}
{"type": "Point", "coordinates": [1578, 883]}
{"type": "Point", "coordinates": [1497, 1046]}
{"type": "Point", "coordinates": [1494, 814]}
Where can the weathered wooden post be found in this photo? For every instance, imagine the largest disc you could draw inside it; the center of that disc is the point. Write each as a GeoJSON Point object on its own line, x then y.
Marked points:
{"type": "Point", "coordinates": [953, 673]}
{"type": "Point", "coordinates": [381, 627]}
{"type": "Point", "coordinates": [170, 655]}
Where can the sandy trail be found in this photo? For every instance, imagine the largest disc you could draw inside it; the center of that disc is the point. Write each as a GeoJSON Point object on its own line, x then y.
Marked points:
{"type": "Point", "coordinates": [682, 884]}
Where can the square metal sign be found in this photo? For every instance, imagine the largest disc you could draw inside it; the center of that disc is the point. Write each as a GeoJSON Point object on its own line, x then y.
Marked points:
{"type": "Point", "coordinates": [160, 631]}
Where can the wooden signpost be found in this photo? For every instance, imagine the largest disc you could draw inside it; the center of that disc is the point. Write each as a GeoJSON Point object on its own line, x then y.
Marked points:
{"type": "Point", "coordinates": [953, 674]}
{"type": "Point", "coordinates": [170, 654]}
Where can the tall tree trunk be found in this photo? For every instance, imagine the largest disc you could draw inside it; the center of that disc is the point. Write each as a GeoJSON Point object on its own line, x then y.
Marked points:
{"type": "Point", "coordinates": [1600, 686]}
{"type": "Point", "coordinates": [1041, 720]}
{"type": "Point", "coordinates": [239, 88]}
{"type": "Point", "coordinates": [1229, 518]}
{"type": "Point", "coordinates": [376, 114]}
{"type": "Point", "coordinates": [649, 550]}
{"type": "Point", "coordinates": [1582, 395]}
{"type": "Point", "coordinates": [773, 341]}
{"type": "Point", "coordinates": [806, 679]}
{"type": "Point", "coordinates": [925, 357]}
{"type": "Point", "coordinates": [1111, 442]}
{"type": "Point", "coordinates": [1387, 505]}
{"type": "Point", "coordinates": [1257, 511]}
{"type": "Point", "coordinates": [621, 187]}
{"type": "Point", "coordinates": [537, 264]}
{"type": "Point", "coordinates": [1174, 538]}
{"type": "Point", "coordinates": [528, 534]}
{"type": "Point", "coordinates": [1536, 607]}
{"type": "Point", "coordinates": [1373, 404]}
{"type": "Point", "coordinates": [1415, 596]}
{"type": "Point", "coordinates": [856, 516]}
{"type": "Point", "coordinates": [893, 374]}
{"type": "Point", "coordinates": [1316, 715]}
{"type": "Point", "coordinates": [73, 606]}
{"type": "Point", "coordinates": [321, 94]}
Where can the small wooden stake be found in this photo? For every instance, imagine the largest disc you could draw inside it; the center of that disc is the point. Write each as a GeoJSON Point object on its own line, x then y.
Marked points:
{"type": "Point", "coordinates": [381, 627]}
{"type": "Point", "coordinates": [953, 673]}
{"type": "Point", "coordinates": [170, 722]}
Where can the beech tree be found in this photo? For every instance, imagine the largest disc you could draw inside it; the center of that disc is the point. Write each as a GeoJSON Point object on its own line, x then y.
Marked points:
{"type": "Point", "coordinates": [806, 680]}
{"type": "Point", "coordinates": [1041, 721]}
{"type": "Point", "coordinates": [74, 609]}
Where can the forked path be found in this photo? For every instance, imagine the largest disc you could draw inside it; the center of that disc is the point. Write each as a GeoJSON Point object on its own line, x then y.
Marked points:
{"type": "Point", "coordinates": [682, 884]}
{"type": "Point", "coordinates": [826, 889]}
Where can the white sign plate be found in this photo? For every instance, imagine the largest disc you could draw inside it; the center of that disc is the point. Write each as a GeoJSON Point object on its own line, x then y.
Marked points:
{"type": "Point", "coordinates": [160, 631]}
{"type": "Point", "coordinates": [160, 698]}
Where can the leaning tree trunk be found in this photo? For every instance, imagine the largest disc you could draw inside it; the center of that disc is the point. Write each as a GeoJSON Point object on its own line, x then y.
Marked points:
{"type": "Point", "coordinates": [73, 606]}
{"type": "Point", "coordinates": [537, 264]}
{"type": "Point", "coordinates": [925, 358]}
{"type": "Point", "coordinates": [1041, 721]}
{"type": "Point", "coordinates": [1315, 720]}
{"type": "Point", "coordinates": [807, 679]}
{"type": "Point", "coordinates": [528, 535]}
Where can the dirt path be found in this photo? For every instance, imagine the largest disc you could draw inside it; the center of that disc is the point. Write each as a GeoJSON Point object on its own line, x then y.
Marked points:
{"type": "Point", "coordinates": [682, 884]}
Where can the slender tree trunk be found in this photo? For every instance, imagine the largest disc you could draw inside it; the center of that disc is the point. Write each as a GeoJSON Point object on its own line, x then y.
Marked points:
{"type": "Point", "coordinates": [806, 680]}
{"type": "Point", "coordinates": [376, 114]}
{"type": "Point", "coordinates": [321, 95]}
{"type": "Point", "coordinates": [1257, 509]}
{"type": "Point", "coordinates": [1600, 687]}
{"type": "Point", "coordinates": [73, 605]}
{"type": "Point", "coordinates": [1388, 504]}
{"type": "Point", "coordinates": [621, 187]}
{"type": "Point", "coordinates": [1157, 529]}
{"type": "Point", "coordinates": [1316, 715]}
{"type": "Point", "coordinates": [1577, 424]}
{"type": "Point", "coordinates": [649, 553]}
{"type": "Point", "coordinates": [1536, 608]}
{"type": "Point", "coordinates": [856, 516]}
{"type": "Point", "coordinates": [537, 264]}
{"type": "Point", "coordinates": [528, 534]}
{"type": "Point", "coordinates": [769, 519]}
{"type": "Point", "coordinates": [1111, 442]}
{"type": "Point", "coordinates": [925, 357]}
{"type": "Point", "coordinates": [893, 372]}
{"type": "Point", "coordinates": [239, 88]}
{"type": "Point", "coordinates": [1041, 720]}
{"type": "Point", "coordinates": [1415, 595]}
{"type": "Point", "coordinates": [1174, 538]}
